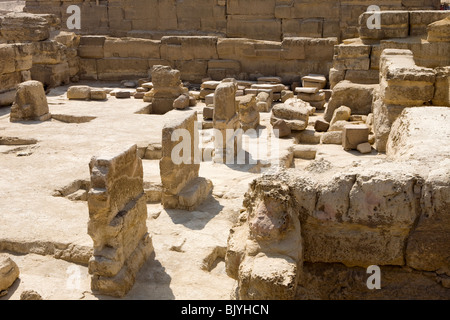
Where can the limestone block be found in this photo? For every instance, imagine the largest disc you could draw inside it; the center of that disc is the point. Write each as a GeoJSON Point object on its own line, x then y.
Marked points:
{"type": "Point", "coordinates": [21, 26]}
{"type": "Point", "coordinates": [364, 148]}
{"type": "Point", "coordinates": [79, 93]}
{"type": "Point", "coordinates": [358, 97]}
{"type": "Point", "coordinates": [332, 137]}
{"type": "Point", "coordinates": [208, 113]}
{"type": "Point", "coordinates": [30, 102]}
{"type": "Point", "coordinates": [248, 113]}
{"type": "Point", "coordinates": [394, 24]}
{"type": "Point", "coordinates": [122, 68]}
{"type": "Point", "coordinates": [88, 69]}
{"type": "Point", "coordinates": [353, 135]}
{"type": "Point", "coordinates": [442, 87]}
{"type": "Point", "coordinates": [363, 76]}
{"type": "Point", "coordinates": [315, 81]}
{"type": "Point", "coordinates": [97, 94]}
{"type": "Point", "coordinates": [420, 19]}
{"type": "Point", "coordinates": [312, 27]}
{"type": "Point", "coordinates": [9, 272]}
{"type": "Point", "coordinates": [311, 97]}
{"type": "Point", "coordinates": [439, 31]}
{"type": "Point", "coordinates": [212, 85]}
{"type": "Point", "coordinates": [341, 113]}
{"type": "Point", "coordinates": [286, 94]}
{"type": "Point", "coordinates": [281, 128]}
{"type": "Point", "coordinates": [48, 52]}
{"type": "Point", "coordinates": [250, 7]}
{"type": "Point", "coordinates": [131, 48]}
{"type": "Point", "coordinates": [292, 111]}
{"type": "Point", "coordinates": [321, 125]}
{"type": "Point", "coordinates": [304, 152]}
{"type": "Point", "coordinates": [224, 101]}
{"type": "Point", "coordinates": [51, 75]}
{"type": "Point", "coordinates": [242, 26]}
{"type": "Point", "coordinates": [7, 56]}
{"type": "Point", "coordinates": [402, 82]}
{"type": "Point", "coordinates": [427, 247]}
{"type": "Point", "coordinates": [293, 48]}
{"type": "Point", "coordinates": [117, 212]}
{"type": "Point", "coordinates": [182, 102]}
{"type": "Point", "coordinates": [188, 48]}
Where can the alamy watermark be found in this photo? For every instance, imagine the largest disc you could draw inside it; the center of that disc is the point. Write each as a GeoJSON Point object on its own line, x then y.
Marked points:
{"type": "Point", "coordinates": [374, 281]}
{"type": "Point", "coordinates": [374, 21]}
{"type": "Point", "coordinates": [74, 21]}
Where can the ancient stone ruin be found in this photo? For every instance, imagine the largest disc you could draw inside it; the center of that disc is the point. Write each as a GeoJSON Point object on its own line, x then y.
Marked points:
{"type": "Point", "coordinates": [224, 149]}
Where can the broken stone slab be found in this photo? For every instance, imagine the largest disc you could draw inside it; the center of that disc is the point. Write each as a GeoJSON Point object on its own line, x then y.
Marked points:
{"type": "Point", "coordinates": [209, 99]}
{"type": "Point", "coordinates": [123, 94]}
{"type": "Point", "coordinates": [269, 80]}
{"type": "Point", "coordinates": [97, 94]}
{"type": "Point", "coordinates": [273, 87]}
{"type": "Point", "coordinates": [182, 102]}
{"type": "Point", "coordinates": [225, 101]}
{"type": "Point", "coordinates": [211, 85]}
{"type": "Point", "coordinates": [79, 93]}
{"type": "Point", "coordinates": [308, 136]}
{"type": "Point", "coordinates": [281, 128]}
{"type": "Point", "coordinates": [311, 97]}
{"type": "Point", "coordinates": [342, 113]}
{"type": "Point", "coordinates": [248, 114]}
{"type": "Point", "coordinates": [353, 135]}
{"type": "Point", "coordinates": [332, 137]}
{"type": "Point", "coordinates": [147, 85]}
{"type": "Point", "coordinates": [30, 103]}
{"type": "Point", "coordinates": [286, 94]}
{"type": "Point", "coordinates": [9, 272]}
{"type": "Point", "coordinates": [193, 194]}
{"type": "Point", "coordinates": [304, 152]}
{"type": "Point", "coordinates": [22, 26]}
{"type": "Point", "coordinates": [364, 148]}
{"type": "Point", "coordinates": [439, 31]}
{"type": "Point", "coordinates": [307, 90]}
{"type": "Point", "coordinates": [208, 112]}
{"type": "Point", "coordinates": [393, 24]}
{"type": "Point", "coordinates": [314, 80]}
{"type": "Point", "coordinates": [321, 125]}
{"type": "Point", "coordinates": [139, 95]}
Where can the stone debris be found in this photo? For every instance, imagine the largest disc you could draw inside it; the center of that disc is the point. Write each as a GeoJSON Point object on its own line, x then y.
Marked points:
{"type": "Point", "coordinates": [281, 128]}
{"type": "Point", "coordinates": [315, 81]}
{"type": "Point", "coordinates": [263, 102]}
{"type": "Point", "coordinates": [30, 103]}
{"type": "Point", "coordinates": [30, 295]}
{"type": "Point", "coordinates": [320, 125]}
{"type": "Point", "coordinates": [9, 272]}
{"type": "Point", "coordinates": [364, 148]}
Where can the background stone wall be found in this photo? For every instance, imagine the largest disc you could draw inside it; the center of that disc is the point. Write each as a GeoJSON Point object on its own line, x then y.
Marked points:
{"type": "Point", "coordinates": [254, 19]}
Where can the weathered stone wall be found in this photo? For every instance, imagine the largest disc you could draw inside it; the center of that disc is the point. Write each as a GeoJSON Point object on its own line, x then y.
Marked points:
{"type": "Point", "coordinates": [392, 218]}
{"type": "Point", "coordinates": [204, 56]}
{"type": "Point", "coordinates": [254, 19]}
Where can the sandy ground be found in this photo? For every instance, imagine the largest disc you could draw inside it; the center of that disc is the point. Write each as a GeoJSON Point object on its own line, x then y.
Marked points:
{"type": "Point", "coordinates": [188, 262]}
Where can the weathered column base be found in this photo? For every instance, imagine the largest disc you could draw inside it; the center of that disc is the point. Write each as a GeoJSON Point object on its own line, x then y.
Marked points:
{"type": "Point", "coordinates": [192, 195]}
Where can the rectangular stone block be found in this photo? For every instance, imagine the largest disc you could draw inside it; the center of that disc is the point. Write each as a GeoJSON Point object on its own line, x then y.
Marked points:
{"type": "Point", "coordinates": [394, 24]}
{"type": "Point", "coordinates": [131, 48]}
{"type": "Point", "coordinates": [122, 68]}
{"type": "Point", "coordinates": [254, 27]}
{"type": "Point", "coordinates": [352, 135]}
{"type": "Point", "coordinates": [188, 48]}
{"type": "Point", "coordinates": [312, 27]}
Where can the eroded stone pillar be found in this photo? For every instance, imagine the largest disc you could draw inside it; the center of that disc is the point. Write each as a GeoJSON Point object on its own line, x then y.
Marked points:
{"type": "Point", "coordinates": [117, 221]}
{"type": "Point", "coordinates": [180, 164]}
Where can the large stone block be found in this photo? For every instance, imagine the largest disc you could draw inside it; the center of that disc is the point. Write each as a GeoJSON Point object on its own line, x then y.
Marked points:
{"type": "Point", "coordinates": [122, 68]}
{"type": "Point", "coordinates": [394, 24]}
{"type": "Point", "coordinates": [21, 26]}
{"type": "Point", "coordinates": [357, 97]}
{"type": "Point", "coordinates": [353, 135]}
{"type": "Point", "coordinates": [303, 28]}
{"type": "Point", "coordinates": [131, 48]}
{"type": "Point", "coordinates": [30, 102]}
{"type": "Point", "coordinates": [439, 31]}
{"type": "Point", "coordinates": [51, 75]}
{"type": "Point", "coordinates": [188, 48]}
{"type": "Point", "coordinates": [254, 27]}
{"type": "Point", "coordinates": [420, 19]}
{"type": "Point", "coordinates": [224, 101]}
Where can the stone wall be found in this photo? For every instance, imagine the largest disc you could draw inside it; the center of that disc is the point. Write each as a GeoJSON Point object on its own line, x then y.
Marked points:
{"type": "Point", "coordinates": [204, 56]}
{"type": "Point", "coordinates": [254, 19]}
{"type": "Point", "coordinates": [345, 222]}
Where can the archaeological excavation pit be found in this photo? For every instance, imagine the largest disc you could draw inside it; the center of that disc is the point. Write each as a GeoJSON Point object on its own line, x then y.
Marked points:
{"type": "Point", "coordinates": [222, 150]}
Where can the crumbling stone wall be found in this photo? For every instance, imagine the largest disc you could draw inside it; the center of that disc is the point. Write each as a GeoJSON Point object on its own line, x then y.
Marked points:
{"type": "Point", "coordinates": [255, 19]}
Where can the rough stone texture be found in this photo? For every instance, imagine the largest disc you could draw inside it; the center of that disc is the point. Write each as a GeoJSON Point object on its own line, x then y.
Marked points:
{"type": "Point", "coordinates": [264, 248]}
{"type": "Point", "coordinates": [439, 31]}
{"type": "Point", "coordinates": [442, 87]}
{"type": "Point", "coordinates": [21, 26]}
{"type": "Point", "coordinates": [294, 113]}
{"type": "Point", "coordinates": [394, 24]}
{"type": "Point", "coordinates": [117, 221]}
{"type": "Point", "coordinates": [98, 94]}
{"type": "Point", "coordinates": [357, 97]}
{"type": "Point", "coordinates": [225, 119]}
{"type": "Point", "coordinates": [182, 102]}
{"type": "Point", "coordinates": [281, 128]}
{"type": "Point", "coordinates": [342, 113]}
{"type": "Point", "coordinates": [30, 295]}
{"type": "Point", "coordinates": [402, 84]}
{"type": "Point", "coordinates": [320, 125]}
{"type": "Point", "coordinates": [332, 137]}
{"type": "Point", "coordinates": [248, 113]}
{"type": "Point", "coordinates": [263, 102]}
{"type": "Point", "coordinates": [30, 103]}
{"type": "Point", "coordinates": [353, 135]}
{"type": "Point", "coordinates": [79, 93]}
{"type": "Point", "coordinates": [180, 164]}
{"type": "Point", "coordinates": [9, 272]}
{"type": "Point", "coordinates": [167, 87]}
